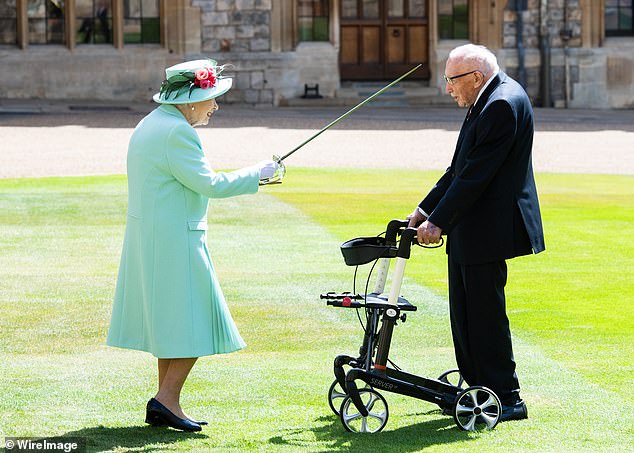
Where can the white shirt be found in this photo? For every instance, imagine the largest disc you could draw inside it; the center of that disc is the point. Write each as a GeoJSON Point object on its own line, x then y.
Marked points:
{"type": "Point", "coordinates": [476, 101]}
{"type": "Point", "coordinates": [486, 85]}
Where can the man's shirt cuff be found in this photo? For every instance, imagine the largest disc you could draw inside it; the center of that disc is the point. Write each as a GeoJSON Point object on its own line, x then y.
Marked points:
{"type": "Point", "coordinates": [423, 212]}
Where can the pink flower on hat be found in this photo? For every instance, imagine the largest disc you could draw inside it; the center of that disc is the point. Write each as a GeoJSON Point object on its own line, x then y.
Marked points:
{"type": "Point", "coordinates": [205, 78]}
{"type": "Point", "coordinates": [202, 74]}
{"type": "Point", "coordinates": [185, 76]}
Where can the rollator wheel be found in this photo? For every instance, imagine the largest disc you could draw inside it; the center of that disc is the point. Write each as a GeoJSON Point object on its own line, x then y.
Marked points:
{"type": "Point", "coordinates": [336, 395]}
{"type": "Point", "coordinates": [452, 377]}
{"type": "Point", "coordinates": [375, 404]}
{"type": "Point", "coordinates": [477, 408]}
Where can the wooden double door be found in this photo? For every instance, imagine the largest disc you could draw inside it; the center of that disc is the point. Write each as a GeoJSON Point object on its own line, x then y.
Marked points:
{"type": "Point", "coordinates": [382, 39]}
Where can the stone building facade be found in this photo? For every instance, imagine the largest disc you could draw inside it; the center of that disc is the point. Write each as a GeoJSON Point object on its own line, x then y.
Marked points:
{"type": "Point", "coordinates": [583, 65]}
{"type": "Point", "coordinates": [567, 53]}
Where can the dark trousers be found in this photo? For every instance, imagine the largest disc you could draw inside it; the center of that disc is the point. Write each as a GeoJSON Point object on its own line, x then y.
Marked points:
{"type": "Point", "coordinates": [480, 327]}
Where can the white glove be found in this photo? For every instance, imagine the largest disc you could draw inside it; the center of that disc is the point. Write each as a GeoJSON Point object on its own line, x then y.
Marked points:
{"type": "Point", "coordinates": [268, 168]}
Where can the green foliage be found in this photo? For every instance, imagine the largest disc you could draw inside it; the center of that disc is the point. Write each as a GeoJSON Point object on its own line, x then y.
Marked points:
{"type": "Point", "coordinates": [178, 84]}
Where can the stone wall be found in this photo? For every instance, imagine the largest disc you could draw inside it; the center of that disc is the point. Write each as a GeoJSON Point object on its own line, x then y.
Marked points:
{"type": "Point", "coordinates": [131, 74]}
{"type": "Point", "coordinates": [593, 77]}
{"type": "Point", "coordinates": [235, 25]}
{"type": "Point", "coordinates": [239, 32]}
{"type": "Point", "coordinates": [563, 31]}
{"type": "Point", "coordinates": [563, 18]}
{"type": "Point", "coordinates": [271, 78]}
{"type": "Point", "coordinates": [270, 70]}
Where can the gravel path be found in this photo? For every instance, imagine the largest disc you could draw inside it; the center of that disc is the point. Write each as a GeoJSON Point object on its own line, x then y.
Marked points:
{"type": "Point", "coordinates": [89, 141]}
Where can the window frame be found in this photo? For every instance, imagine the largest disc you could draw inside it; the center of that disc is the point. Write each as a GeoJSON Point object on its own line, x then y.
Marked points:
{"type": "Point", "coordinates": [141, 20]}
{"type": "Point", "coordinates": [15, 31]}
{"type": "Point", "coordinates": [619, 32]}
{"type": "Point", "coordinates": [327, 17]}
{"type": "Point", "coordinates": [92, 19]}
{"type": "Point", "coordinates": [452, 17]}
{"type": "Point", "coordinates": [70, 26]}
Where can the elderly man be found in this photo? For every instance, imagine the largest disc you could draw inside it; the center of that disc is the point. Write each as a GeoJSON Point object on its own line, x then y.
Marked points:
{"type": "Point", "coordinates": [486, 203]}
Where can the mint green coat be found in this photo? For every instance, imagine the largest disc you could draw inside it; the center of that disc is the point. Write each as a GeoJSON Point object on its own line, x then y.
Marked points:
{"type": "Point", "coordinates": [168, 301]}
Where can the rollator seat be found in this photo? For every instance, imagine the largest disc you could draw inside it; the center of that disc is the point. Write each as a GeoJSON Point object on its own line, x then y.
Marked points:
{"type": "Point", "coordinates": [373, 300]}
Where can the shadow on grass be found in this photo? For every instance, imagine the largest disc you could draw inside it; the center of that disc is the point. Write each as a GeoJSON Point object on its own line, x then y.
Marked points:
{"type": "Point", "coordinates": [139, 438]}
{"type": "Point", "coordinates": [333, 437]}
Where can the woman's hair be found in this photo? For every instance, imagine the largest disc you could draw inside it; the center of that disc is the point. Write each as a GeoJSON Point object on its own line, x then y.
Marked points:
{"type": "Point", "coordinates": [477, 56]}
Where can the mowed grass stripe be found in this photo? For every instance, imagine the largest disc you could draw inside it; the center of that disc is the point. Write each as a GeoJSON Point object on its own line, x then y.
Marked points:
{"type": "Point", "coordinates": [575, 301]}
{"type": "Point", "coordinates": [273, 261]}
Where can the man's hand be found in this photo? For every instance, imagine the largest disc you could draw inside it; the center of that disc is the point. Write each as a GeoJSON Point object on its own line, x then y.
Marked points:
{"type": "Point", "coordinates": [428, 233]}
{"type": "Point", "coordinates": [415, 218]}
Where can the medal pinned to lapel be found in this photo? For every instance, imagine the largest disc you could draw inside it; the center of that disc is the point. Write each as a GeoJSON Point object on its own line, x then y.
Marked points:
{"type": "Point", "coordinates": [277, 178]}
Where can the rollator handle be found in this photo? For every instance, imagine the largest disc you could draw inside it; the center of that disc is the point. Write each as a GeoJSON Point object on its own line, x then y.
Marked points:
{"type": "Point", "coordinates": [393, 229]}
{"type": "Point", "coordinates": [408, 238]}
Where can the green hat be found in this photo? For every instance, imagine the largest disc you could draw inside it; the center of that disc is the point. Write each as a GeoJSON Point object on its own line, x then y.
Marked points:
{"type": "Point", "coordinates": [192, 81]}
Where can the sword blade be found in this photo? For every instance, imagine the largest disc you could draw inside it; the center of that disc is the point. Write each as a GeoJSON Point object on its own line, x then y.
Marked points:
{"type": "Point", "coordinates": [332, 123]}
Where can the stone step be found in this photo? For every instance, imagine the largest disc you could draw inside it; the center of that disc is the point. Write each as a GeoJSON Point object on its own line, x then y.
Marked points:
{"type": "Point", "coordinates": [381, 100]}
{"type": "Point", "coordinates": [391, 93]}
{"type": "Point", "coordinates": [401, 89]}
{"type": "Point", "coordinates": [405, 93]}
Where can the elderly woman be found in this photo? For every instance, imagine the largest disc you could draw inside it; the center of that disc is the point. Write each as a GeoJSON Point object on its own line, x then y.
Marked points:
{"type": "Point", "coordinates": [168, 301]}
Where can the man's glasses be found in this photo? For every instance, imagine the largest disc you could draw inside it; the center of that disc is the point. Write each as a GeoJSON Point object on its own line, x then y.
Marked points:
{"type": "Point", "coordinates": [450, 80]}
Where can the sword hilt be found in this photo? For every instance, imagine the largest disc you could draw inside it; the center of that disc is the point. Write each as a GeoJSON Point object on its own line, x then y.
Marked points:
{"type": "Point", "coordinates": [279, 174]}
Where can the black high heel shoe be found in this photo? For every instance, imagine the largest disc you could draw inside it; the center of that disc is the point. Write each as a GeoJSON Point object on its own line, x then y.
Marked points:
{"type": "Point", "coordinates": [158, 415]}
{"type": "Point", "coordinates": [154, 420]}
{"type": "Point", "coordinates": [200, 422]}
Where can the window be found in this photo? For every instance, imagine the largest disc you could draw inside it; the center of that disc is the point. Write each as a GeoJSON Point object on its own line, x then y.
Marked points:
{"type": "Point", "coordinates": [8, 22]}
{"type": "Point", "coordinates": [618, 18]}
{"type": "Point", "coordinates": [46, 21]}
{"type": "Point", "coordinates": [417, 8]}
{"type": "Point", "coordinates": [72, 22]}
{"type": "Point", "coordinates": [93, 21]}
{"type": "Point", "coordinates": [312, 18]}
{"type": "Point", "coordinates": [141, 22]}
{"type": "Point", "coordinates": [453, 19]}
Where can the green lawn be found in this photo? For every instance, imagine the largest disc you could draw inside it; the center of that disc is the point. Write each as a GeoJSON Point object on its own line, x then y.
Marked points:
{"type": "Point", "coordinates": [576, 300]}
{"type": "Point", "coordinates": [571, 312]}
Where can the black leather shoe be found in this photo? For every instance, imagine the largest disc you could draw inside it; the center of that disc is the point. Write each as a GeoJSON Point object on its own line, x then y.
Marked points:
{"type": "Point", "coordinates": [200, 422]}
{"type": "Point", "coordinates": [158, 415]}
{"type": "Point", "coordinates": [516, 411]}
{"type": "Point", "coordinates": [152, 418]}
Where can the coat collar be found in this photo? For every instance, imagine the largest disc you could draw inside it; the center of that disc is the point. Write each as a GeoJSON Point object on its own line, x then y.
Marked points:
{"type": "Point", "coordinates": [171, 110]}
{"type": "Point", "coordinates": [479, 105]}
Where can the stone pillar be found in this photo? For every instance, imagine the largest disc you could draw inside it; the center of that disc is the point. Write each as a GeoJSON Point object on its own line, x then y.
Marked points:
{"type": "Point", "coordinates": [69, 23]}
{"type": "Point", "coordinates": [182, 31]}
{"type": "Point", "coordinates": [23, 24]}
{"type": "Point", "coordinates": [485, 22]}
{"type": "Point", "coordinates": [282, 25]}
{"type": "Point", "coordinates": [592, 23]}
{"type": "Point", "coordinates": [432, 20]}
{"type": "Point", "coordinates": [117, 24]}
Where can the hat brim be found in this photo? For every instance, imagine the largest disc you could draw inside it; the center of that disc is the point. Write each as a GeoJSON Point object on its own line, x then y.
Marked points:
{"type": "Point", "coordinates": [198, 94]}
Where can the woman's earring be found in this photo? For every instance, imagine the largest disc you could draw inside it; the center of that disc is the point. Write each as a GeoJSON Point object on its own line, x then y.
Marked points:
{"type": "Point", "coordinates": [193, 108]}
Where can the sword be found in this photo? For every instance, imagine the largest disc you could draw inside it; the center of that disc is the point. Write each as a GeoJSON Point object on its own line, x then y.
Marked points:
{"type": "Point", "coordinates": [277, 178]}
{"type": "Point", "coordinates": [365, 101]}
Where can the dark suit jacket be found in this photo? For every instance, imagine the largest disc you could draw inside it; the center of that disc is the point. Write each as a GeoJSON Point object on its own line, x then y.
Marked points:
{"type": "Point", "coordinates": [486, 201]}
